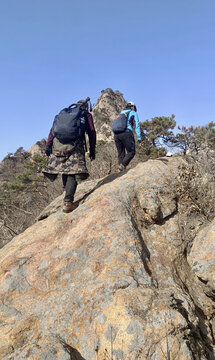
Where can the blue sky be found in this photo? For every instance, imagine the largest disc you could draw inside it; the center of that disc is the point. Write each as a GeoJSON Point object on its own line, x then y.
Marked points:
{"type": "Point", "coordinates": [158, 53]}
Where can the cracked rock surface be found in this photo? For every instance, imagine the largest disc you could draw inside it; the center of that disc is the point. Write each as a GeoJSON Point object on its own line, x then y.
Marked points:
{"type": "Point", "coordinates": [110, 280]}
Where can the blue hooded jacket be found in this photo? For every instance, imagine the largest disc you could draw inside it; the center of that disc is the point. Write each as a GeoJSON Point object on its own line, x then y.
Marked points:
{"type": "Point", "coordinates": [133, 122]}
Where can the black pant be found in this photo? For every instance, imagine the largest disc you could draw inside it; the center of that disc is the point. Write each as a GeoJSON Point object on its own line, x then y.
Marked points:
{"type": "Point", "coordinates": [125, 145]}
{"type": "Point", "coordinates": [70, 184]}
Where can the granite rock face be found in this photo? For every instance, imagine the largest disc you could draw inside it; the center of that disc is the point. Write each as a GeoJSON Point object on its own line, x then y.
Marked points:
{"type": "Point", "coordinates": [110, 280]}
{"type": "Point", "coordinates": [108, 106]}
{"type": "Point", "coordinates": [38, 148]}
{"type": "Point", "coordinates": [202, 257]}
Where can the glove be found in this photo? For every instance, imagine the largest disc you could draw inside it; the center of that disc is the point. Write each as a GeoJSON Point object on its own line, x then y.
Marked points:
{"type": "Point", "coordinates": [48, 150]}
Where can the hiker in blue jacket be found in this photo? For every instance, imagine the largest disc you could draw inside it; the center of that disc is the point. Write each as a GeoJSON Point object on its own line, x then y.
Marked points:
{"type": "Point", "coordinates": [124, 141]}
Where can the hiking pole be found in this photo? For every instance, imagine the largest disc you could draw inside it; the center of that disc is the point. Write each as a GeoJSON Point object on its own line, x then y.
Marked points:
{"type": "Point", "coordinates": [86, 101]}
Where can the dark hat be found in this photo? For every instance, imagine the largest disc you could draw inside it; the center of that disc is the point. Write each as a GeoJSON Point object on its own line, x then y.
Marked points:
{"type": "Point", "coordinates": [81, 102]}
{"type": "Point", "coordinates": [85, 103]}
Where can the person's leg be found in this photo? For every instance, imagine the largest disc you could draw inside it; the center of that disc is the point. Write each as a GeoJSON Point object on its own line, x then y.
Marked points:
{"type": "Point", "coordinates": [129, 144]}
{"type": "Point", "coordinates": [81, 177]}
{"type": "Point", "coordinates": [120, 148]}
{"type": "Point", "coordinates": [51, 177]}
{"type": "Point", "coordinates": [64, 178]}
{"type": "Point", "coordinates": [70, 185]}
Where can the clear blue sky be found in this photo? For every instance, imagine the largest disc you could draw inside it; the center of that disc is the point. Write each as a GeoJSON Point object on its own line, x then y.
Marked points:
{"type": "Point", "coordinates": [158, 53]}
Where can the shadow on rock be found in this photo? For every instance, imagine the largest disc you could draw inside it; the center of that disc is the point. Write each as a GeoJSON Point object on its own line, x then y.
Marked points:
{"type": "Point", "coordinates": [198, 339]}
{"type": "Point", "coordinates": [56, 205]}
{"type": "Point", "coordinates": [74, 354]}
{"type": "Point", "coordinates": [104, 181]}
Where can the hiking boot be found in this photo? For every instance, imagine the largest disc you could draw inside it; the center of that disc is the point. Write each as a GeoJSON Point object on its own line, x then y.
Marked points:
{"type": "Point", "coordinates": [68, 206]}
{"type": "Point", "coordinates": [121, 167]}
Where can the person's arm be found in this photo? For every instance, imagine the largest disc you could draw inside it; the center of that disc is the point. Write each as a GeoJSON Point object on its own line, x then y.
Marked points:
{"type": "Point", "coordinates": [137, 126]}
{"type": "Point", "coordinates": [91, 132]}
{"type": "Point", "coordinates": [48, 149]}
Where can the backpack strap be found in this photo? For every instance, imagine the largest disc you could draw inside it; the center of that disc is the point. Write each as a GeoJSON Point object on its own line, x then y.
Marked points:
{"type": "Point", "coordinates": [72, 105]}
{"type": "Point", "coordinates": [126, 115]}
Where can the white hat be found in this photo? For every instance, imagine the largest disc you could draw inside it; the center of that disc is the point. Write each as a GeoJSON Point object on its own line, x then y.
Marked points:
{"type": "Point", "coordinates": [130, 103]}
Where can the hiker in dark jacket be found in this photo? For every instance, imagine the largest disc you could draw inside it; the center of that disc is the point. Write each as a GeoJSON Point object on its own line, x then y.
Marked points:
{"type": "Point", "coordinates": [124, 141]}
{"type": "Point", "coordinates": [69, 159]}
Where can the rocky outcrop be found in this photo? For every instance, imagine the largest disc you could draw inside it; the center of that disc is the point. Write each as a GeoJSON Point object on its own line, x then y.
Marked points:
{"type": "Point", "coordinates": [110, 280]}
{"type": "Point", "coordinates": [38, 148]}
{"type": "Point", "coordinates": [202, 259]}
{"type": "Point", "coordinates": [108, 106]}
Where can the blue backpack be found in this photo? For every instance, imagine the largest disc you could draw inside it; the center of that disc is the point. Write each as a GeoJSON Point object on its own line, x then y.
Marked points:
{"type": "Point", "coordinates": [69, 124]}
{"type": "Point", "coordinates": [120, 123]}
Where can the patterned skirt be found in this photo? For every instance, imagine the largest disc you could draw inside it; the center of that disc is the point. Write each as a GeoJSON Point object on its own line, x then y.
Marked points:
{"type": "Point", "coordinates": [68, 162]}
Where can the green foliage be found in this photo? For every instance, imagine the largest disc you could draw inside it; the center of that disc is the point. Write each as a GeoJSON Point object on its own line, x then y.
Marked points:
{"type": "Point", "coordinates": [18, 184]}
{"type": "Point", "coordinates": [156, 134]}
{"type": "Point", "coordinates": [205, 135]}
{"type": "Point", "coordinates": [19, 153]}
{"type": "Point", "coordinates": [13, 186]}
{"type": "Point", "coordinates": [36, 163]}
{"type": "Point", "coordinates": [157, 152]}
{"type": "Point", "coordinates": [27, 177]}
{"type": "Point", "coordinates": [24, 178]}
{"type": "Point", "coordinates": [159, 130]}
{"type": "Point", "coordinates": [148, 151]}
{"type": "Point", "coordinates": [195, 136]}
{"type": "Point", "coordinates": [40, 160]}
{"type": "Point", "coordinates": [183, 139]}
{"type": "Point", "coordinates": [9, 156]}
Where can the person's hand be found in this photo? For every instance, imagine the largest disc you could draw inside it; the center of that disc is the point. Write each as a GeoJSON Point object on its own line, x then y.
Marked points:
{"type": "Point", "coordinates": [139, 142]}
{"type": "Point", "coordinates": [48, 151]}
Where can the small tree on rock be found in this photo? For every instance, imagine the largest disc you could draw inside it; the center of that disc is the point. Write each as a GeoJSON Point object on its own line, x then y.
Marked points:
{"type": "Point", "coordinates": [158, 131]}
{"type": "Point", "coordinates": [195, 138]}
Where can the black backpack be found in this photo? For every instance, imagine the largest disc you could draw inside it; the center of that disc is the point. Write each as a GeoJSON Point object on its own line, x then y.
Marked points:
{"type": "Point", "coordinates": [120, 123]}
{"type": "Point", "coordinates": [70, 124]}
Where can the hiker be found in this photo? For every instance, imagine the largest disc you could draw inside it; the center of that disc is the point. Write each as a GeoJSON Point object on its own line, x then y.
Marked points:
{"type": "Point", "coordinates": [68, 157]}
{"type": "Point", "coordinates": [123, 127]}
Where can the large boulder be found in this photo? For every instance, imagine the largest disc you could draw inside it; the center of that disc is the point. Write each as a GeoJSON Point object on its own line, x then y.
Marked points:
{"type": "Point", "coordinates": [202, 257]}
{"type": "Point", "coordinates": [101, 282]}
